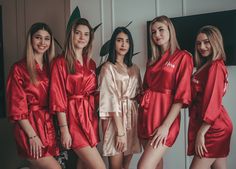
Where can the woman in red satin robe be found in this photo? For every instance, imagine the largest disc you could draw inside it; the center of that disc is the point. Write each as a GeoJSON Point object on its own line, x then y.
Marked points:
{"type": "Point", "coordinates": [27, 100]}
{"type": "Point", "coordinates": [210, 127]}
{"type": "Point", "coordinates": [166, 90]}
{"type": "Point", "coordinates": [72, 95]}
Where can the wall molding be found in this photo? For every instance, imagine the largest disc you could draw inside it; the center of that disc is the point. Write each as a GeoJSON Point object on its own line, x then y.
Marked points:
{"type": "Point", "coordinates": [184, 9]}
{"type": "Point", "coordinates": [112, 15]}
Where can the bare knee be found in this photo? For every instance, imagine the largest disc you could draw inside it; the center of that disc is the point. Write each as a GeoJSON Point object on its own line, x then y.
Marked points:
{"type": "Point", "coordinates": [45, 163]}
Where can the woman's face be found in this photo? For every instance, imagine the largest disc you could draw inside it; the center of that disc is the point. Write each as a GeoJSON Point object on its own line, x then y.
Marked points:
{"type": "Point", "coordinates": [81, 36]}
{"type": "Point", "coordinates": [160, 35]}
{"type": "Point", "coordinates": [203, 45]}
{"type": "Point", "coordinates": [122, 44]}
{"type": "Point", "coordinates": [41, 41]}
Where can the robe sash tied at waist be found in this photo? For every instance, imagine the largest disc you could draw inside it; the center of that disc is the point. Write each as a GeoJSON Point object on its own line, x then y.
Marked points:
{"type": "Point", "coordinates": [84, 105]}
{"type": "Point", "coordinates": [126, 109]}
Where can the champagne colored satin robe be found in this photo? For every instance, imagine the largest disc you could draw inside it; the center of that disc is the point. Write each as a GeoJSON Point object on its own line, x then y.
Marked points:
{"type": "Point", "coordinates": [119, 87]}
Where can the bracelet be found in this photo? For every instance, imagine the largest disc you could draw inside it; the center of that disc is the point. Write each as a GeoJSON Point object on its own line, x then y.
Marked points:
{"type": "Point", "coordinates": [63, 125]}
{"type": "Point", "coordinates": [32, 137]}
{"type": "Point", "coordinates": [120, 135]}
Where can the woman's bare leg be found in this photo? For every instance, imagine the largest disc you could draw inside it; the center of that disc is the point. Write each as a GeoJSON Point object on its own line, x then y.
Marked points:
{"type": "Point", "coordinates": [91, 157]}
{"type": "Point", "coordinates": [201, 163]}
{"type": "Point", "coordinates": [45, 163]}
{"type": "Point", "coordinates": [220, 163]}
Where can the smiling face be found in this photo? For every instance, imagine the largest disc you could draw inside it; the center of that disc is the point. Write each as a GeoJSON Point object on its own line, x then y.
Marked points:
{"type": "Point", "coordinates": [160, 35]}
{"type": "Point", "coordinates": [81, 36]}
{"type": "Point", "coordinates": [203, 45]}
{"type": "Point", "coordinates": [122, 44]}
{"type": "Point", "coordinates": [41, 41]}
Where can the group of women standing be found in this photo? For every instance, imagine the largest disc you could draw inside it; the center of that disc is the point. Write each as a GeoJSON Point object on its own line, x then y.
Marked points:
{"type": "Point", "coordinates": [133, 115]}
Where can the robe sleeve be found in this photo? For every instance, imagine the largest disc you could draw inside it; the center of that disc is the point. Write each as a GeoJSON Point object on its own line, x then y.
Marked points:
{"type": "Point", "coordinates": [16, 97]}
{"type": "Point", "coordinates": [183, 81]}
{"type": "Point", "coordinates": [58, 96]}
{"type": "Point", "coordinates": [213, 93]}
{"type": "Point", "coordinates": [109, 104]}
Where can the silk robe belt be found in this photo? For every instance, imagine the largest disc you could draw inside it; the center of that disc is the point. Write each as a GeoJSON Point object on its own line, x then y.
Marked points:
{"type": "Point", "coordinates": [145, 100]}
{"type": "Point", "coordinates": [164, 91]}
{"type": "Point", "coordinates": [85, 112]}
{"type": "Point", "coordinates": [126, 109]}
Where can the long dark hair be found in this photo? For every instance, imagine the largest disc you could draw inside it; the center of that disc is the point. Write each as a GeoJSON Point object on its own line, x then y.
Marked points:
{"type": "Point", "coordinates": [112, 51]}
{"type": "Point", "coordinates": [69, 46]}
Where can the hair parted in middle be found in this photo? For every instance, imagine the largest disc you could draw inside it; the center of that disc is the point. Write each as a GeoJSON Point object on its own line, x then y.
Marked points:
{"type": "Point", "coordinates": [112, 50]}
{"type": "Point", "coordinates": [156, 51]}
{"type": "Point", "coordinates": [70, 48]}
{"type": "Point", "coordinates": [214, 36]}
{"type": "Point", "coordinates": [29, 51]}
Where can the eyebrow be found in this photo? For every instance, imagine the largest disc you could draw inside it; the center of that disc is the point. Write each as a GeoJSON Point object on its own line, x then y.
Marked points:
{"type": "Point", "coordinates": [203, 40]}
{"type": "Point", "coordinates": [41, 35]}
{"type": "Point", "coordinates": [80, 31]}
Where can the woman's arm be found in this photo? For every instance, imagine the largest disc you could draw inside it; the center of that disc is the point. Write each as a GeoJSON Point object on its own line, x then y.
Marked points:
{"type": "Point", "coordinates": [200, 147]}
{"type": "Point", "coordinates": [34, 141]}
{"type": "Point", "coordinates": [120, 133]}
{"type": "Point", "coordinates": [66, 140]}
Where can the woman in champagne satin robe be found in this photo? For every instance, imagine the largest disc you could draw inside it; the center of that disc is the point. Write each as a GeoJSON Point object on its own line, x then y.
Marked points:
{"type": "Point", "coordinates": [72, 96]}
{"type": "Point", "coordinates": [27, 100]}
{"type": "Point", "coordinates": [119, 85]}
{"type": "Point", "coordinates": [166, 90]}
{"type": "Point", "coordinates": [210, 127]}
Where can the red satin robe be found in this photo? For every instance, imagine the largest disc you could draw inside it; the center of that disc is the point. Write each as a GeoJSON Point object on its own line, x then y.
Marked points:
{"type": "Point", "coordinates": [28, 101]}
{"type": "Point", "coordinates": [166, 82]}
{"type": "Point", "coordinates": [208, 88]}
{"type": "Point", "coordinates": [74, 95]}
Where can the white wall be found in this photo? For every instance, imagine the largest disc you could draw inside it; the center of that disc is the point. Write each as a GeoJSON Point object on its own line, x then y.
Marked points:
{"type": "Point", "coordinates": [113, 13]}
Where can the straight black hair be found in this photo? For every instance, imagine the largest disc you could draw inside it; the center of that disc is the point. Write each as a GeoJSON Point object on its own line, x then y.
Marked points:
{"type": "Point", "coordinates": [112, 51]}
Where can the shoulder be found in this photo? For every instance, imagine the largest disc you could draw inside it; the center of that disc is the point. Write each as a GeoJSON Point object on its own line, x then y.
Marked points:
{"type": "Point", "coordinates": [108, 66]}
{"type": "Point", "coordinates": [58, 61]}
{"type": "Point", "coordinates": [218, 65]}
{"type": "Point", "coordinates": [19, 66]}
{"type": "Point", "coordinates": [185, 56]}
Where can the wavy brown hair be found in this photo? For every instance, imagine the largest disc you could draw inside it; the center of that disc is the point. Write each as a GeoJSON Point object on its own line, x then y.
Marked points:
{"type": "Point", "coordinates": [69, 46]}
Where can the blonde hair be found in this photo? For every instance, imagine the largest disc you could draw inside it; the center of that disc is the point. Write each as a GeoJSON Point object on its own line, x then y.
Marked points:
{"type": "Point", "coordinates": [156, 51]}
{"type": "Point", "coordinates": [70, 55]}
{"type": "Point", "coordinates": [214, 36]}
{"type": "Point", "coordinates": [29, 51]}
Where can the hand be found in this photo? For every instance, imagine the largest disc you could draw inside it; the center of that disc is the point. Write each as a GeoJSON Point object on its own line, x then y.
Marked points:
{"type": "Point", "coordinates": [200, 147]}
{"type": "Point", "coordinates": [35, 146]}
{"type": "Point", "coordinates": [120, 142]}
{"type": "Point", "coordinates": [159, 136]}
{"type": "Point", "coordinates": [66, 139]}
